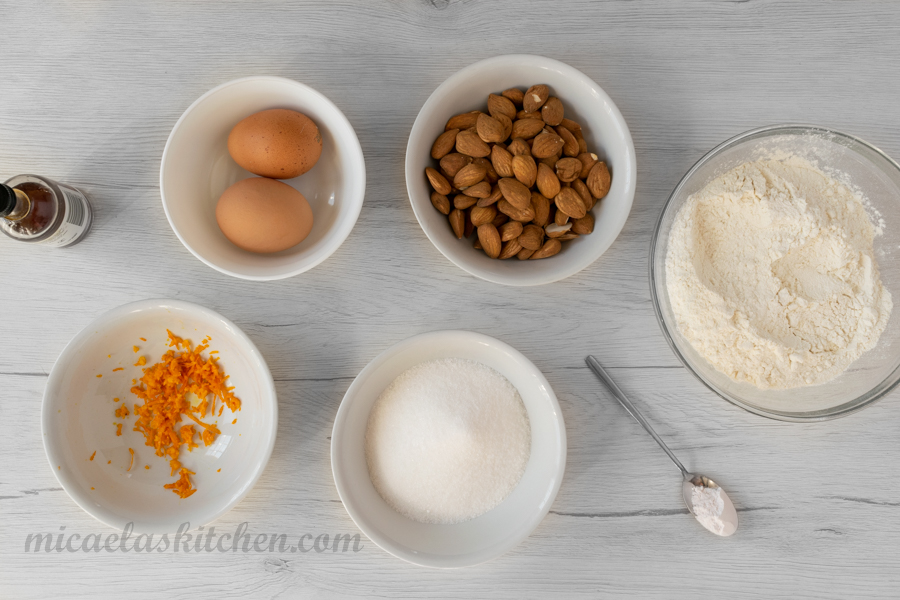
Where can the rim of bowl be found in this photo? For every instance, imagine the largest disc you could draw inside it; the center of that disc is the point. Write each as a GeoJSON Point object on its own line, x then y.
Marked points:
{"type": "Point", "coordinates": [356, 195]}
{"type": "Point", "coordinates": [841, 410]}
{"type": "Point", "coordinates": [89, 330]}
{"type": "Point", "coordinates": [388, 545]}
{"type": "Point", "coordinates": [602, 96]}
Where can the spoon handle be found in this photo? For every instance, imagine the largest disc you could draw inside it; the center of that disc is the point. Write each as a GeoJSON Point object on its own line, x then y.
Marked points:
{"type": "Point", "coordinates": [632, 410]}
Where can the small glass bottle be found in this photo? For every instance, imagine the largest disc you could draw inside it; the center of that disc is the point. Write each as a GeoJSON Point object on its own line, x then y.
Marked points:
{"type": "Point", "coordinates": [39, 210]}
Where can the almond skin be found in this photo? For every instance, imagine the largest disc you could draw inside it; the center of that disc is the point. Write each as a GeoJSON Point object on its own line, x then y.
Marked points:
{"type": "Point", "coordinates": [463, 121]}
{"type": "Point", "coordinates": [525, 170]}
{"type": "Point", "coordinates": [462, 201]}
{"type": "Point", "coordinates": [570, 147]}
{"type": "Point", "coordinates": [547, 182]}
{"type": "Point", "coordinates": [468, 176]}
{"type": "Point", "coordinates": [481, 190]}
{"type": "Point", "coordinates": [481, 216]}
{"type": "Point", "coordinates": [502, 106]}
{"type": "Point", "coordinates": [440, 202]}
{"type": "Point", "coordinates": [453, 162]}
{"type": "Point", "coordinates": [438, 181]}
{"type": "Point", "coordinates": [567, 169]}
{"type": "Point", "coordinates": [458, 223]}
{"type": "Point", "coordinates": [490, 174]}
{"type": "Point", "coordinates": [599, 180]}
{"type": "Point", "coordinates": [510, 248]}
{"type": "Point", "coordinates": [524, 254]}
{"type": "Point", "coordinates": [490, 240]}
{"type": "Point", "coordinates": [510, 231]}
{"type": "Point", "coordinates": [571, 125]}
{"type": "Point", "coordinates": [515, 95]}
{"type": "Point", "coordinates": [569, 203]}
{"type": "Point", "coordinates": [495, 196]}
{"type": "Point", "coordinates": [588, 160]}
{"type": "Point", "coordinates": [550, 248]}
{"type": "Point", "coordinates": [526, 128]}
{"type": "Point", "coordinates": [489, 129]}
{"type": "Point", "coordinates": [507, 123]}
{"type": "Point", "coordinates": [535, 97]}
{"type": "Point", "coordinates": [584, 225]}
{"type": "Point", "coordinates": [499, 220]}
{"type": "Point", "coordinates": [532, 237]}
{"type": "Point", "coordinates": [582, 189]}
{"type": "Point", "coordinates": [502, 161]}
{"type": "Point", "coordinates": [560, 218]}
{"type": "Point", "coordinates": [519, 147]}
{"type": "Point", "coordinates": [525, 216]}
{"type": "Point", "coordinates": [545, 144]}
{"type": "Point", "coordinates": [468, 143]}
{"type": "Point", "coordinates": [444, 144]}
{"type": "Point", "coordinates": [515, 193]}
{"type": "Point", "coordinates": [553, 111]}
{"type": "Point", "coordinates": [541, 206]}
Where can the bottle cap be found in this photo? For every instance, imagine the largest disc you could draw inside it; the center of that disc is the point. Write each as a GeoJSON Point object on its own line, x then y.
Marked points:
{"type": "Point", "coordinates": [7, 200]}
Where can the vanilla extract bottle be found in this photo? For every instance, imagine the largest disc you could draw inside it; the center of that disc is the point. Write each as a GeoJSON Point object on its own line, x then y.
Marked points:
{"type": "Point", "coordinates": [39, 210]}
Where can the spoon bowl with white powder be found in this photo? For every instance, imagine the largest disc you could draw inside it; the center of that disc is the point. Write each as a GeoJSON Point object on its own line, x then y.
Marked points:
{"type": "Point", "coordinates": [774, 272]}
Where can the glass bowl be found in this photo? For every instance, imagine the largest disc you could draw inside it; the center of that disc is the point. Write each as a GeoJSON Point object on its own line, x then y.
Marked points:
{"type": "Point", "coordinates": [872, 173]}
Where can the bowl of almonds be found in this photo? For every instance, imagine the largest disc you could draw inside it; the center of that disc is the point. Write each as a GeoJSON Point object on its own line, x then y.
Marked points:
{"type": "Point", "coordinates": [520, 170]}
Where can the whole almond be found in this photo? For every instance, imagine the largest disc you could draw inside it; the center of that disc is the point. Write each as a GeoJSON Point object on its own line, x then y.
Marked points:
{"type": "Point", "coordinates": [569, 203]}
{"type": "Point", "coordinates": [453, 162]}
{"type": "Point", "coordinates": [440, 202]}
{"type": "Point", "coordinates": [554, 231]}
{"type": "Point", "coordinates": [489, 129]}
{"type": "Point", "coordinates": [584, 225]}
{"type": "Point", "coordinates": [599, 180]}
{"type": "Point", "coordinates": [444, 144]}
{"type": "Point", "coordinates": [468, 176]}
{"type": "Point", "coordinates": [506, 122]}
{"type": "Point", "coordinates": [525, 216]}
{"type": "Point", "coordinates": [490, 240]}
{"type": "Point", "coordinates": [567, 169]}
{"type": "Point", "coordinates": [480, 190]}
{"type": "Point", "coordinates": [438, 181]}
{"type": "Point", "coordinates": [568, 236]}
{"type": "Point", "coordinates": [498, 105]}
{"type": "Point", "coordinates": [571, 126]}
{"type": "Point", "coordinates": [510, 231]}
{"type": "Point", "coordinates": [535, 97]}
{"type": "Point", "coordinates": [468, 143]}
{"type": "Point", "coordinates": [458, 222]}
{"type": "Point", "coordinates": [496, 195]}
{"type": "Point", "coordinates": [541, 206]}
{"type": "Point", "coordinates": [515, 95]}
{"type": "Point", "coordinates": [499, 220]}
{"type": "Point", "coordinates": [519, 147]}
{"type": "Point", "coordinates": [524, 169]}
{"type": "Point", "coordinates": [550, 161]}
{"type": "Point", "coordinates": [570, 148]}
{"type": "Point", "coordinates": [550, 247]}
{"type": "Point", "coordinates": [547, 182]}
{"type": "Point", "coordinates": [545, 144]}
{"type": "Point", "coordinates": [480, 216]}
{"type": "Point", "coordinates": [510, 249]}
{"type": "Point", "coordinates": [515, 193]}
{"type": "Point", "coordinates": [559, 217]}
{"type": "Point", "coordinates": [463, 201]}
{"type": "Point", "coordinates": [532, 237]}
{"type": "Point", "coordinates": [582, 189]}
{"type": "Point", "coordinates": [582, 145]}
{"type": "Point", "coordinates": [524, 254]}
{"type": "Point", "coordinates": [526, 128]}
{"type": "Point", "coordinates": [463, 121]}
{"type": "Point", "coordinates": [490, 174]}
{"type": "Point", "coordinates": [529, 115]}
{"type": "Point", "coordinates": [588, 160]}
{"type": "Point", "coordinates": [502, 161]}
{"type": "Point", "coordinates": [552, 112]}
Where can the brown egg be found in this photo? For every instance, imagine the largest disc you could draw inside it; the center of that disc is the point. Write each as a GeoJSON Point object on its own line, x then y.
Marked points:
{"type": "Point", "coordinates": [277, 143]}
{"type": "Point", "coordinates": [263, 215]}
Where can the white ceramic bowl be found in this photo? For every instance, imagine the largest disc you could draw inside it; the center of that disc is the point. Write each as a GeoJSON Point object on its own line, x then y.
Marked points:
{"type": "Point", "coordinates": [482, 538]}
{"type": "Point", "coordinates": [77, 420]}
{"type": "Point", "coordinates": [197, 168]}
{"type": "Point", "coordinates": [604, 129]}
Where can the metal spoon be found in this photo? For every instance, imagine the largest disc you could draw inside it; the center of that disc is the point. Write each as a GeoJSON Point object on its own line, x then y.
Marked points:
{"type": "Point", "coordinates": [727, 522]}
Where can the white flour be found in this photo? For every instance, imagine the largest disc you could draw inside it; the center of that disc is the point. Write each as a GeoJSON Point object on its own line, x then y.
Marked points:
{"type": "Point", "coordinates": [771, 275]}
{"type": "Point", "coordinates": [708, 506]}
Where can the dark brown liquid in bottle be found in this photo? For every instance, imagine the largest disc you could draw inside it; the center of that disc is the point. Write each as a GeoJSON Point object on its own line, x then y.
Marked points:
{"type": "Point", "coordinates": [43, 210]}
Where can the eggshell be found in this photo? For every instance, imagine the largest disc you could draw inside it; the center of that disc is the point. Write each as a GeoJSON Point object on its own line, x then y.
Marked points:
{"type": "Point", "coordinates": [277, 143]}
{"type": "Point", "coordinates": [263, 215]}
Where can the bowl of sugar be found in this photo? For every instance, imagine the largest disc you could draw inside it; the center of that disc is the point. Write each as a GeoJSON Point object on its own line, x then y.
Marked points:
{"type": "Point", "coordinates": [448, 449]}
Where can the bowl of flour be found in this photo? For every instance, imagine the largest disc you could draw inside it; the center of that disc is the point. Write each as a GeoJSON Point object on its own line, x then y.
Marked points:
{"type": "Point", "coordinates": [774, 274]}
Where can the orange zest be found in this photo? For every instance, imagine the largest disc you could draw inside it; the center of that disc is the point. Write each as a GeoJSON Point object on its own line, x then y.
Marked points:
{"type": "Point", "coordinates": [131, 464]}
{"type": "Point", "coordinates": [93, 455]}
{"type": "Point", "coordinates": [164, 389]}
{"type": "Point", "coordinates": [119, 369]}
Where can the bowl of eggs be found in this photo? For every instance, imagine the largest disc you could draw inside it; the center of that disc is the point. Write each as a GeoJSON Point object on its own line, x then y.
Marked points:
{"type": "Point", "coordinates": [262, 178]}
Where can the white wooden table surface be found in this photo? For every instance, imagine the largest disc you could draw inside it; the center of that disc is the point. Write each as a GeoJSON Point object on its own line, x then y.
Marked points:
{"type": "Point", "coordinates": [90, 91]}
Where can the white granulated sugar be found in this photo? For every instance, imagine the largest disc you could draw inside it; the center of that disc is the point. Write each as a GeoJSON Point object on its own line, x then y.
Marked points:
{"type": "Point", "coordinates": [771, 275]}
{"type": "Point", "coordinates": [447, 441]}
{"type": "Point", "coordinates": [708, 506]}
